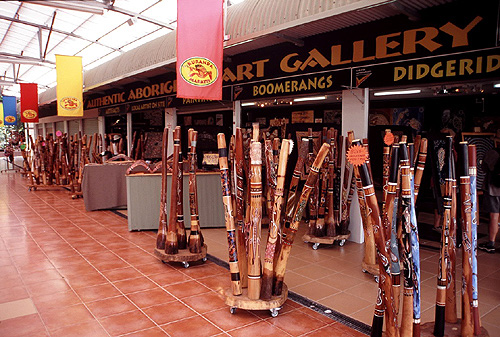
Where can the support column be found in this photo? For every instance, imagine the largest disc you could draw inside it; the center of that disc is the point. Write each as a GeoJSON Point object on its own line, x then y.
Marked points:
{"type": "Point", "coordinates": [171, 123]}
{"type": "Point", "coordinates": [129, 133]}
{"type": "Point", "coordinates": [236, 116]}
{"type": "Point", "coordinates": [355, 117]}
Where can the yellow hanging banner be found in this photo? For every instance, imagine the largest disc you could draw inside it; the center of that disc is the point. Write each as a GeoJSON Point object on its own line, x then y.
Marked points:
{"type": "Point", "coordinates": [1, 112]}
{"type": "Point", "coordinates": [69, 86]}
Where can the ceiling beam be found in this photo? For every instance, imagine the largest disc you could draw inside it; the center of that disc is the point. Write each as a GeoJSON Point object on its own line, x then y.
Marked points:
{"type": "Point", "coordinates": [19, 59]}
{"type": "Point", "coordinates": [3, 17]}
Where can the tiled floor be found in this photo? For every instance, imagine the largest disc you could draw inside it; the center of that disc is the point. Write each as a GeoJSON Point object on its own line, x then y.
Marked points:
{"type": "Point", "coordinates": [69, 272]}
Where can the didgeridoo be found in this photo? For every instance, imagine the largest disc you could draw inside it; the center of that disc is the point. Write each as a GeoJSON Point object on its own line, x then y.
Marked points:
{"type": "Point", "coordinates": [465, 197]}
{"type": "Point", "coordinates": [239, 158]}
{"type": "Point", "coordinates": [439, 319]}
{"type": "Point", "coordinates": [228, 213]}
{"type": "Point", "coordinates": [181, 230]}
{"type": "Point", "coordinates": [254, 263]}
{"type": "Point", "coordinates": [195, 241]}
{"type": "Point", "coordinates": [267, 275]}
{"type": "Point", "coordinates": [162, 226]}
{"type": "Point", "coordinates": [172, 245]}
{"type": "Point", "coordinates": [475, 219]}
{"type": "Point", "coordinates": [290, 231]}
{"type": "Point", "coordinates": [405, 242]}
{"type": "Point", "coordinates": [386, 291]}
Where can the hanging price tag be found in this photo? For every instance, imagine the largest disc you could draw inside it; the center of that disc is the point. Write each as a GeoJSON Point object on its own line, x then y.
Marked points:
{"type": "Point", "coordinates": [357, 155]}
{"type": "Point", "coordinates": [389, 139]}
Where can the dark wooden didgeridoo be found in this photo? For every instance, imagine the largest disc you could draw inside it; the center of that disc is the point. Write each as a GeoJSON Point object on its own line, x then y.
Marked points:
{"type": "Point", "coordinates": [162, 226]}
{"type": "Point", "coordinates": [195, 241]}
{"type": "Point", "coordinates": [172, 246]}
{"type": "Point", "coordinates": [229, 218]}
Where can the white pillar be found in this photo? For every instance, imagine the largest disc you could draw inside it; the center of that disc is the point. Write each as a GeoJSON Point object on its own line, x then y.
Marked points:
{"type": "Point", "coordinates": [44, 129]}
{"type": "Point", "coordinates": [171, 123]}
{"type": "Point", "coordinates": [129, 133]}
{"type": "Point", "coordinates": [236, 116]}
{"type": "Point", "coordinates": [66, 126]}
{"type": "Point", "coordinates": [355, 118]}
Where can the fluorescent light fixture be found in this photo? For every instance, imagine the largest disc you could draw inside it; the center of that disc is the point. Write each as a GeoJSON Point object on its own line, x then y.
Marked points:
{"type": "Point", "coordinates": [398, 92]}
{"type": "Point", "coordinates": [248, 104]}
{"type": "Point", "coordinates": [496, 85]}
{"type": "Point", "coordinates": [313, 98]}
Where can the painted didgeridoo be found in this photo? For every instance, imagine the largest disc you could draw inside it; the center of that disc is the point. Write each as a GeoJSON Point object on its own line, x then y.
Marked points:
{"type": "Point", "coordinates": [228, 213]}
{"type": "Point", "coordinates": [290, 231]}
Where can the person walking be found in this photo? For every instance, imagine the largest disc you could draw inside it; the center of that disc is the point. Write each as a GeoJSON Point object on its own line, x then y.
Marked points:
{"type": "Point", "coordinates": [491, 197]}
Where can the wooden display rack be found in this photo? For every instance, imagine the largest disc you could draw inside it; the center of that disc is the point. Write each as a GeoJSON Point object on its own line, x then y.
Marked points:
{"type": "Point", "coordinates": [326, 240]}
{"type": "Point", "coordinates": [184, 256]}
{"type": "Point", "coordinates": [243, 302]}
{"type": "Point", "coordinates": [450, 330]}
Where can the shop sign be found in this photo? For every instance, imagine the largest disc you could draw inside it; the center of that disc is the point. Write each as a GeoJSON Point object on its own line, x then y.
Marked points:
{"type": "Point", "coordinates": [296, 85]}
{"type": "Point", "coordinates": [456, 67]}
{"type": "Point", "coordinates": [114, 110]}
{"type": "Point", "coordinates": [133, 93]}
{"type": "Point", "coordinates": [442, 30]}
{"type": "Point", "coordinates": [147, 105]}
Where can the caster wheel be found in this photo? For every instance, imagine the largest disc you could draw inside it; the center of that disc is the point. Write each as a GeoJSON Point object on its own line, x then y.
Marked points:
{"type": "Point", "coordinates": [29, 189]}
{"type": "Point", "coordinates": [315, 246]}
{"type": "Point", "coordinates": [375, 278]}
{"type": "Point", "coordinates": [204, 259]}
{"type": "Point", "coordinates": [186, 264]}
{"type": "Point", "coordinates": [274, 312]}
{"type": "Point", "coordinates": [232, 310]}
{"type": "Point", "coordinates": [163, 262]}
{"type": "Point", "coordinates": [364, 270]}
{"type": "Point", "coordinates": [342, 242]}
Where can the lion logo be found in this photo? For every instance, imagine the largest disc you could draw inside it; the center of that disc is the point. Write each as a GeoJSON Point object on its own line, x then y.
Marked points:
{"type": "Point", "coordinates": [10, 119]}
{"type": "Point", "coordinates": [29, 114]}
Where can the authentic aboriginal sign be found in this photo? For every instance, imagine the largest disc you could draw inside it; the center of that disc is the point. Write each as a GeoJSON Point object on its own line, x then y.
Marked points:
{"type": "Point", "coordinates": [199, 71]}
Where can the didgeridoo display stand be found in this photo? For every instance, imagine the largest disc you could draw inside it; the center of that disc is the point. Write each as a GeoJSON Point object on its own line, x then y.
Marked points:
{"type": "Point", "coordinates": [184, 256]}
{"type": "Point", "coordinates": [372, 269]}
{"type": "Point", "coordinates": [450, 330]}
{"type": "Point", "coordinates": [243, 302]}
{"type": "Point", "coordinates": [326, 240]}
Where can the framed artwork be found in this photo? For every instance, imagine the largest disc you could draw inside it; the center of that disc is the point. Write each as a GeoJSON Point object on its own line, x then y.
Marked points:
{"type": "Point", "coordinates": [152, 148]}
{"type": "Point", "coordinates": [484, 142]}
{"type": "Point", "coordinates": [306, 116]}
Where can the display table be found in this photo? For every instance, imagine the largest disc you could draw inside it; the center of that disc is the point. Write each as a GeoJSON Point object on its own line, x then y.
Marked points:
{"type": "Point", "coordinates": [104, 186]}
{"type": "Point", "coordinates": [143, 200]}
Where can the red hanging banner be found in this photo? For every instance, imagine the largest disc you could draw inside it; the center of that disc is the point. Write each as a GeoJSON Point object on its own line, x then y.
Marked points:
{"type": "Point", "coordinates": [29, 103]}
{"type": "Point", "coordinates": [200, 38]}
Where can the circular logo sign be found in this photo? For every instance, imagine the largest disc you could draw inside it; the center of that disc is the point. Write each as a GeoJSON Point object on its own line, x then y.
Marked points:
{"type": "Point", "coordinates": [70, 103]}
{"type": "Point", "coordinates": [199, 71]}
{"type": "Point", "coordinates": [59, 133]}
{"type": "Point", "coordinates": [29, 114]}
{"type": "Point", "coordinates": [10, 119]}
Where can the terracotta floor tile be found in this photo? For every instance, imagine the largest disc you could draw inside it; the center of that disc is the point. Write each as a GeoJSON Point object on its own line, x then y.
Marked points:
{"type": "Point", "coordinates": [42, 275]}
{"type": "Point", "coordinates": [98, 292]}
{"type": "Point", "coordinates": [114, 263]}
{"type": "Point", "coordinates": [56, 318]}
{"type": "Point", "coordinates": [110, 306]}
{"type": "Point", "coordinates": [48, 287]}
{"type": "Point", "coordinates": [187, 289]}
{"type": "Point", "coordinates": [153, 332]}
{"type": "Point", "coordinates": [296, 323]}
{"type": "Point", "coordinates": [168, 312]}
{"type": "Point", "coordinates": [154, 268]}
{"type": "Point", "coordinates": [126, 322]}
{"type": "Point", "coordinates": [150, 297]}
{"type": "Point", "coordinates": [262, 328]}
{"type": "Point", "coordinates": [346, 303]}
{"type": "Point", "coordinates": [86, 280]}
{"type": "Point", "coordinates": [205, 302]}
{"type": "Point", "coordinates": [191, 327]}
{"type": "Point", "coordinates": [121, 274]}
{"type": "Point", "coordinates": [169, 277]}
{"type": "Point", "coordinates": [87, 329]}
{"type": "Point", "coordinates": [337, 330]}
{"type": "Point", "coordinates": [13, 294]}
{"type": "Point", "coordinates": [30, 325]}
{"type": "Point", "coordinates": [227, 321]}
{"type": "Point", "coordinates": [134, 285]}
{"type": "Point", "coordinates": [59, 300]}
